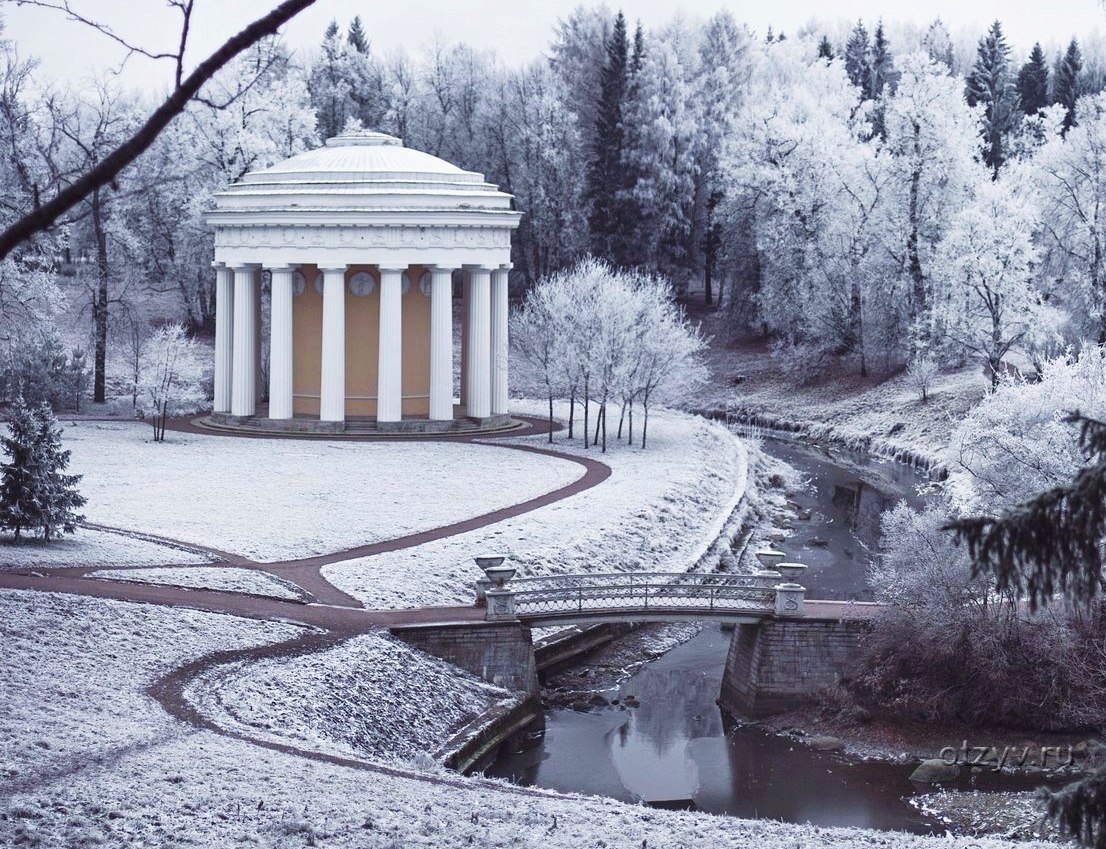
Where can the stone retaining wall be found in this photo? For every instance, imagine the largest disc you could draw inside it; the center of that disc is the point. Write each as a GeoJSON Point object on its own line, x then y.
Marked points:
{"type": "Point", "coordinates": [501, 653]}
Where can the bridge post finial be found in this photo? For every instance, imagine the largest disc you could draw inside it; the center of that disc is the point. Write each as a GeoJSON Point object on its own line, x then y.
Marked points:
{"type": "Point", "coordinates": [789, 599]}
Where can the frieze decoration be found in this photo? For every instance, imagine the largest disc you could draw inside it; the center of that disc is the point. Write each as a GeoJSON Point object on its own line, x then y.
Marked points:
{"type": "Point", "coordinates": [419, 236]}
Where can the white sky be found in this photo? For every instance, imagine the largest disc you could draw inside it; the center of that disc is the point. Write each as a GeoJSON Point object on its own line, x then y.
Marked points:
{"type": "Point", "coordinates": [516, 29]}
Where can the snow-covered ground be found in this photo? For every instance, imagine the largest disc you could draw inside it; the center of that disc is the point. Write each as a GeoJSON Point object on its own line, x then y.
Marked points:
{"type": "Point", "coordinates": [658, 511]}
{"type": "Point", "coordinates": [224, 578]}
{"type": "Point", "coordinates": [88, 547]}
{"type": "Point", "coordinates": [90, 759]}
{"type": "Point", "coordinates": [283, 499]}
{"type": "Point", "coordinates": [372, 696]}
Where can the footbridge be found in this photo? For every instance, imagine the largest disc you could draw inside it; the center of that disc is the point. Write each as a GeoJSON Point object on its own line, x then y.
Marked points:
{"type": "Point", "coordinates": [784, 648]}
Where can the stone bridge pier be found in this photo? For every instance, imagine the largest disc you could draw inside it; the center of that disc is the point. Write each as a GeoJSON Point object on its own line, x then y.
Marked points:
{"type": "Point", "coordinates": [780, 663]}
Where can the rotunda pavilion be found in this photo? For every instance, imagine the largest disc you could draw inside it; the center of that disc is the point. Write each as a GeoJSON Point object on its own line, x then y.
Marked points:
{"type": "Point", "coordinates": [360, 242]}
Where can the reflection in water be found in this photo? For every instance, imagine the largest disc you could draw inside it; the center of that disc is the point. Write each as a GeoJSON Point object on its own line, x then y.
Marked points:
{"type": "Point", "coordinates": [676, 745]}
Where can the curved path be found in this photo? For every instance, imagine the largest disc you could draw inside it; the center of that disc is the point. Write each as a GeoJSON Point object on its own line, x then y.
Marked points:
{"type": "Point", "coordinates": [328, 607]}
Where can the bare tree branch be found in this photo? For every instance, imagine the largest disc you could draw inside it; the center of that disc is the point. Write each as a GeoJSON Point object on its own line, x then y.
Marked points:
{"type": "Point", "coordinates": [108, 168]}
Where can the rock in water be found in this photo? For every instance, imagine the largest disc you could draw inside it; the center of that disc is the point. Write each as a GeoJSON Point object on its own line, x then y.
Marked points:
{"type": "Point", "coordinates": [935, 771]}
{"type": "Point", "coordinates": [827, 744]}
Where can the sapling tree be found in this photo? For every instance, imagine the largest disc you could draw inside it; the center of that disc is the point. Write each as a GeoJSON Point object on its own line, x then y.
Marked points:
{"type": "Point", "coordinates": [171, 376]}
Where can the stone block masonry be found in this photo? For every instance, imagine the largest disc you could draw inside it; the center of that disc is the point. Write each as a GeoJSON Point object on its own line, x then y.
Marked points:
{"type": "Point", "coordinates": [501, 653]}
{"type": "Point", "coordinates": [779, 664]}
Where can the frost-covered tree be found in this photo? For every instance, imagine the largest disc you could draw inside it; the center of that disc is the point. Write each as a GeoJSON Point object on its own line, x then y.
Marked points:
{"type": "Point", "coordinates": [934, 146]}
{"type": "Point", "coordinates": [344, 82]}
{"type": "Point", "coordinates": [985, 302]}
{"type": "Point", "coordinates": [577, 57]}
{"type": "Point", "coordinates": [1015, 443]}
{"type": "Point", "coordinates": [825, 49]}
{"type": "Point", "coordinates": [659, 153]}
{"type": "Point", "coordinates": [35, 492]}
{"type": "Point", "coordinates": [1068, 82]}
{"type": "Point", "coordinates": [937, 44]}
{"type": "Point", "coordinates": [858, 57]}
{"type": "Point", "coordinates": [882, 73]}
{"type": "Point", "coordinates": [720, 87]}
{"type": "Point", "coordinates": [1033, 82]}
{"type": "Point", "coordinates": [171, 376]}
{"type": "Point", "coordinates": [1070, 178]}
{"type": "Point", "coordinates": [992, 85]}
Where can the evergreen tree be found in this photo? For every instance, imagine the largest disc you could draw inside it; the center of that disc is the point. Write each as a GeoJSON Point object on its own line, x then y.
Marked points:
{"type": "Point", "coordinates": [344, 83]}
{"type": "Point", "coordinates": [1068, 82]}
{"type": "Point", "coordinates": [35, 492]}
{"type": "Point", "coordinates": [1033, 82]}
{"type": "Point", "coordinates": [770, 36]}
{"type": "Point", "coordinates": [991, 85]}
{"type": "Point", "coordinates": [882, 71]}
{"type": "Point", "coordinates": [639, 50]}
{"type": "Point", "coordinates": [825, 49]}
{"type": "Point", "coordinates": [938, 44]}
{"type": "Point", "coordinates": [356, 36]}
{"type": "Point", "coordinates": [858, 58]}
{"type": "Point", "coordinates": [606, 175]}
{"type": "Point", "coordinates": [1054, 544]}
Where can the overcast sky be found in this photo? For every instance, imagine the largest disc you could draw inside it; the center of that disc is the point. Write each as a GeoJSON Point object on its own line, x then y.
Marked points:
{"type": "Point", "coordinates": [517, 29]}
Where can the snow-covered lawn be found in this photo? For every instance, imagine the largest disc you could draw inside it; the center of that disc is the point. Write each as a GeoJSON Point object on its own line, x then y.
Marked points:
{"type": "Point", "coordinates": [88, 547]}
{"type": "Point", "coordinates": [225, 578]}
{"type": "Point", "coordinates": [659, 509]}
{"type": "Point", "coordinates": [372, 696]}
{"type": "Point", "coordinates": [283, 499]}
{"type": "Point", "coordinates": [91, 760]}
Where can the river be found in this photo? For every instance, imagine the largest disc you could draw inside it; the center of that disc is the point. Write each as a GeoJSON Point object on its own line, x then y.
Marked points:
{"type": "Point", "coordinates": [677, 749]}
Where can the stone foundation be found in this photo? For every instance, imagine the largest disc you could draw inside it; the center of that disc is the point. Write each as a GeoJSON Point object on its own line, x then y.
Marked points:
{"type": "Point", "coordinates": [501, 653]}
{"type": "Point", "coordinates": [779, 664]}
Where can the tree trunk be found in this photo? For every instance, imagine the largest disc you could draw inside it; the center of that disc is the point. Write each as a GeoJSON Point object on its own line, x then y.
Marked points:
{"type": "Point", "coordinates": [551, 418]}
{"type": "Point", "coordinates": [919, 290]}
{"type": "Point", "coordinates": [599, 421]}
{"type": "Point", "coordinates": [587, 410]}
{"type": "Point", "coordinates": [604, 428]}
{"type": "Point", "coordinates": [621, 419]}
{"type": "Point", "coordinates": [645, 423]}
{"type": "Point", "coordinates": [571, 413]}
{"type": "Point", "coordinates": [630, 430]}
{"type": "Point", "coordinates": [100, 303]}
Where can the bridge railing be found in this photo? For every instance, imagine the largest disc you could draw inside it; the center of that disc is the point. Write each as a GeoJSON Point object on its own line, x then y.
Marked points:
{"type": "Point", "coordinates": [636, 591]}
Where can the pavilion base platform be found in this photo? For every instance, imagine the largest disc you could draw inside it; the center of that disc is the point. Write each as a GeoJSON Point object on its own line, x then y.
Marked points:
{"type": "Point", "coordinates": [460, 425]}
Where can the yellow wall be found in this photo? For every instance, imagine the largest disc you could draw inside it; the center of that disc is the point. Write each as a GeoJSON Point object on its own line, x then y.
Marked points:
{"type": "Point", "coordinates": [362, 345]}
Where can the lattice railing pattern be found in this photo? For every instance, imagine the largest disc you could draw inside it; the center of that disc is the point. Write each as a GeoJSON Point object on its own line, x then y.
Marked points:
{"type": "Point", "coordinates": [621, 591]}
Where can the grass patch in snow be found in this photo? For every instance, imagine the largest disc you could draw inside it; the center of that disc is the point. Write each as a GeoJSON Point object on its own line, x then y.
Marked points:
{"type": "Point", "coordinates": [89, 547]}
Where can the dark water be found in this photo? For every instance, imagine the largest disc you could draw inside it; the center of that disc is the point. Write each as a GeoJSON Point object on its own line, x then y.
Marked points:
{"type": "Point", "coordinates": [677, 749]}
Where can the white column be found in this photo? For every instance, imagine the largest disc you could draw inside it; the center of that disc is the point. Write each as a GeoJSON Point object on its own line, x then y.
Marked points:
{"type": "Point", "coordinates": [441, 343]}
{"type": "Point", "coordinates": [280, 344]}
{"type": "Point", "coordinates": [479, 344]}
{"type": "Point", "coordinates": [466, 306]}
{"type": "Point", "coordinates": [259, 371]}
{"type": "Point", "coordinates": [244, 391]}
{"type": "Point", "coordinates": [499, 340]}
{"type": "Point", "coordinates": [332, 384]}
{"type": "Point", "coordinates": [389, 376]}
{"type": "Point", "coordinates": [224, 337]}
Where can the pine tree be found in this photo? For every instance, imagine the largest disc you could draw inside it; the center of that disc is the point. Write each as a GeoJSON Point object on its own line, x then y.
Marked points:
{"type": "Point", "coordinates": [35, 492]}
{"type": "Point", "coordinates": [639, 50]}
{"type": "Point", "coordinates": [1068, 82]}
{"type": "Point", "coordinates": [60, 497]}
{"type": "Point", "coordinates": [825, 49]}
{"type": "Point", "coordinates": [606, 175]}
{"type": "Point", "coordinates": [858, 58]}
{"type": "Point", "coordinates": [1033, 82]}
{"type": "Point", "coordinates": [991, 85]}
{"type": "Point", "coordinates": [356, 36]}
{"type": "Point", "coordinates": [1051, 544]}
{"type": "Point", "coordinates": [882, 71]}
{"type": "Point", "coordinates": [938, 44]}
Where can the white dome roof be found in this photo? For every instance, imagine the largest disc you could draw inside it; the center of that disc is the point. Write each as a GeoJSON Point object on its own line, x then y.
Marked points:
{"type": "Point", "coordinates": [364, 156]}
{"type": "Point", "coordinates": [363, 198]}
